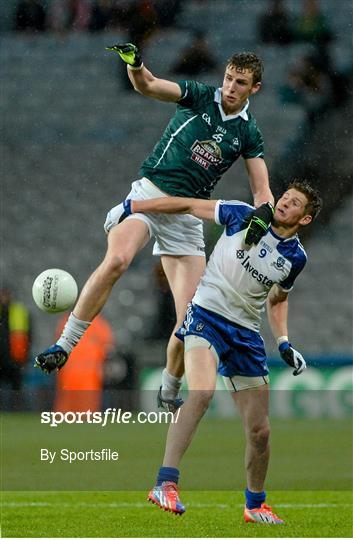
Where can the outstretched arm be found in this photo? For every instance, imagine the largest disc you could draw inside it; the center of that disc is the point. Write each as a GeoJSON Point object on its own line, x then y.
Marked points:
{"type": "Point", "coordinates": [176, 205]}
{"type": "Point", "coordinates": [277, 312]}
{"type": "Point", "coordinates": [147, 84]}
{"type": "Point", "coordinates": [142, 80]}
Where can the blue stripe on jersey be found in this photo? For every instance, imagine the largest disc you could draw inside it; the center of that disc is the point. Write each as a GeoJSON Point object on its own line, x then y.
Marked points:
{"type": "Point", "coordinates": [232, 215]}
{"type": "Point", "coordinates": [294, 252]}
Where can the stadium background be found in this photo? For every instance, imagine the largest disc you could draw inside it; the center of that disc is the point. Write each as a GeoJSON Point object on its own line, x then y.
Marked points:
{"type": "Point", "coordinates": [72, 140]}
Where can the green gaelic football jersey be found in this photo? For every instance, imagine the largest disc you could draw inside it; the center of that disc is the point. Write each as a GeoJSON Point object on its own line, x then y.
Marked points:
{"type": "Point", "coordinates": [200, 143]}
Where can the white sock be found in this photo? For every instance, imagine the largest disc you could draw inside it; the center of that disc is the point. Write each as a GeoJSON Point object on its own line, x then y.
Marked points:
{"type": "Point", "coordinates": [170, 385]}
{"type": "Point", "coordinates": [72, 333]}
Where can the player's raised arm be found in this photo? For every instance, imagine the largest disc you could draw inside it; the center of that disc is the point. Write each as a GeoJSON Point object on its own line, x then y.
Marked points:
{"type": "Point", "coordinates": [277, 313]}
{"type": "Point", "coordinates": [263, 200]}
{"type": "Point", "coordinates": [141, 78]}
{"type": "Point", "coordinates": [259, 181]}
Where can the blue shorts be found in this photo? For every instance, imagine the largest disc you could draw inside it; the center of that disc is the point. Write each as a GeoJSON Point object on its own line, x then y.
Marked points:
{"type": "Point", "coordinates": [240, 350]}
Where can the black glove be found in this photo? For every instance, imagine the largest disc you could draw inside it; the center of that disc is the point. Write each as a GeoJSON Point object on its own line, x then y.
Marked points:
{"type": "Point", "coordinates": [292, 357]}
{"type": "Point", "coordinates": [259, 223]}
{"type": "Point", "coordinates": [128, 52]}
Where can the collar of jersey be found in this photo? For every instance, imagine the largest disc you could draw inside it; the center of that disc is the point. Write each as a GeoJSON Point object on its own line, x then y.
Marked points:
{"type": "Point", "coordinates": [243, 114]}
{"type": "Point", "coordinates": [280, 238]}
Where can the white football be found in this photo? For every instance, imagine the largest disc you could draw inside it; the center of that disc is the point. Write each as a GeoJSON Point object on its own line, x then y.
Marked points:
{"type": "Point", "coordinates": [54, 290]}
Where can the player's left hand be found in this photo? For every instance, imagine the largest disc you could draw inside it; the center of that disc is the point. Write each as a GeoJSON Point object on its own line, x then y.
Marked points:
{"type": "Point", "coordinates": [129, 54]}
{"type": "Point", "coordinates": [292, 357]}
{"type": "Point", "coordinates": [259, 223]}
{"type": "Point", "coordinates": [117, 214]}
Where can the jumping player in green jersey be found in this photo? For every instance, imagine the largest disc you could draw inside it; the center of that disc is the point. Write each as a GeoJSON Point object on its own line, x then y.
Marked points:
{"type": "Point", "coordinates": [211, 128]}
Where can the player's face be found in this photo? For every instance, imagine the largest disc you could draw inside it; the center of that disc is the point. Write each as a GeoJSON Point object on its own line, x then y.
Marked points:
{"type": "Point", "coordinates": [290, 209]}
{"type": "Point", "coordinates": [237, 87]}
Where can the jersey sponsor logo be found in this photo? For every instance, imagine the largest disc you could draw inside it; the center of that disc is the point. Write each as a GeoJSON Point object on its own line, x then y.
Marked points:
{"type": "Point", "coordinates": [261, 278]}
{"type": "Point", "coordinates": [206, 153]}
{"type": "Point", "coordinates": [200, 326]}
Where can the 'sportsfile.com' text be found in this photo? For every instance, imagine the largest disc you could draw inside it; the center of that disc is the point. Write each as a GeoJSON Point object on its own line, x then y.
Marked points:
{"type": "Point", "coordinates": [107, 417]}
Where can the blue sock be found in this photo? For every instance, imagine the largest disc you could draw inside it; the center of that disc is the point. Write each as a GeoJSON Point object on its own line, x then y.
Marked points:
{"type": "Point", "coordinates": [254, 500]}
{"type": "Point", "coordinates": [167, 474]}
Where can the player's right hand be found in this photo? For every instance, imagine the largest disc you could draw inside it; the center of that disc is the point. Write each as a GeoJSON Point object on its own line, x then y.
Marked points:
{"type": "Point", "coordinates": [292, 357]}
{"type": "Point", "coordinates": [129, 54]}
{"type": "Point", "coordinates": [260, 221]}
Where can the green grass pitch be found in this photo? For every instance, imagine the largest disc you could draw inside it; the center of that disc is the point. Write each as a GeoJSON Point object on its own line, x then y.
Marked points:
{"type": "Point", "coordinates": [209, 514]}
{"type": "Point", "coordinates": [309, 482]}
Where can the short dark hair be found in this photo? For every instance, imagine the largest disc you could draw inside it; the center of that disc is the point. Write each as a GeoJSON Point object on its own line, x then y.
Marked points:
{"type": "Point", "coordinates": [314, 204]}
{"type": "Point", "coordinates": [250, 61]}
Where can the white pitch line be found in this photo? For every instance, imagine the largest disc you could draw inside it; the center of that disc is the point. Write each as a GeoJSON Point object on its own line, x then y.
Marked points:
{"type": "Point", "coordinates": [143, 505]}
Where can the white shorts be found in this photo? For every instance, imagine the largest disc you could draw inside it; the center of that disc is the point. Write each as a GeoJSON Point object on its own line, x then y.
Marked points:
{"type": "Point", "coordinates": [233, 384]}
{"type": "Point", "coordinates": [174, 234]}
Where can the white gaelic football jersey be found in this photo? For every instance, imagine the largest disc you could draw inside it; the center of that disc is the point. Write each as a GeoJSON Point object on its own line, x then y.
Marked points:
{"type": "Point", "coordinates": [237, 281]}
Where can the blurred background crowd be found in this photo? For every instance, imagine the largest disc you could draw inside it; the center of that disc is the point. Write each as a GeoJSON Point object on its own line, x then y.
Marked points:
{"type": "Point", "coordinates": [73, 138]}
{"type": "Point", "coordinates": [315, 80]}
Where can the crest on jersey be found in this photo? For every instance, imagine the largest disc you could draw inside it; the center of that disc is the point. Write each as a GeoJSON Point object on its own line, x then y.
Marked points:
{"type": "Point", "coordinates": [206, 153]}
{"type": "Point", "coordinates": [235, 142]}
{"type": "Point", "coordinates": [280, 262]}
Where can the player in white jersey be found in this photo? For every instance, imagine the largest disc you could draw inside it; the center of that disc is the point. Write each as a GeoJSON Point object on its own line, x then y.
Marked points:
{"type": "Point", "coordinates": [221, 330]}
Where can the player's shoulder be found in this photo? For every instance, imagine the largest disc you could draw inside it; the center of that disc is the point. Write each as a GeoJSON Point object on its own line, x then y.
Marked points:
{"type": "Point", "coordinates": [194, 89]}
{"type": "Point", "coordinates": [237, 205]}
{"type": "Point", "coordinates": [293, 250]}
{"type": "Point", "coordinates": [251, 123]}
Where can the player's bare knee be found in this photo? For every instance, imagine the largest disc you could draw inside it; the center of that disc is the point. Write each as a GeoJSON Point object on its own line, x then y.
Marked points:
{"type": "Point", "coordinates": [116, 265]}
{"type": "Point", "coordinates": [258, 436]}
{"type": "Point", "coordinates": [201, 398]}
